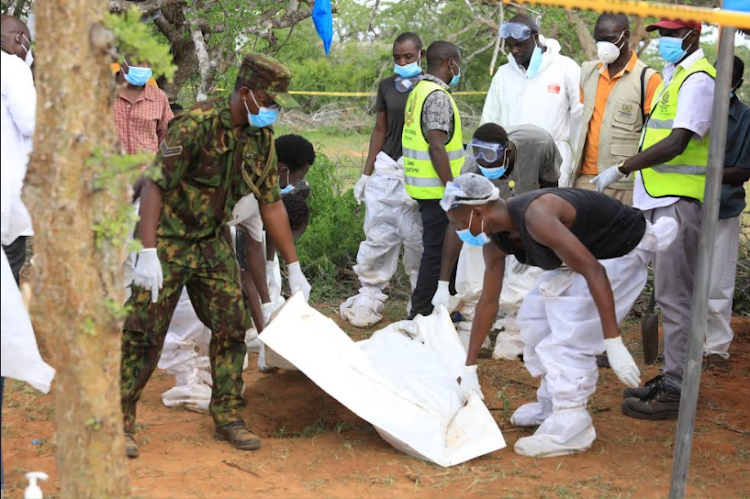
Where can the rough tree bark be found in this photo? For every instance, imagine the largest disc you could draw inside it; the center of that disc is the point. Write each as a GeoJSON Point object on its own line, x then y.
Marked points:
{"type": "Point", "coordinates": [77, 276]}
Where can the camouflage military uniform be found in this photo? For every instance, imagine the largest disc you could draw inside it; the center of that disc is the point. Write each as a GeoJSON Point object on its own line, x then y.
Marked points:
{"type": "Point", "coordinates": [203, 169]}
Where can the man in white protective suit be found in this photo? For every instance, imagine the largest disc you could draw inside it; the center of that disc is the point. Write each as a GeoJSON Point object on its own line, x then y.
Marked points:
{"type": "Point", "coordinates": [595, 252]}
{"type": "Point", "coordinates": [538, 86]}
{"type": "Point", "coordinates": [392, 217]}
{"type": "Point", "coordinates": [522, 159]}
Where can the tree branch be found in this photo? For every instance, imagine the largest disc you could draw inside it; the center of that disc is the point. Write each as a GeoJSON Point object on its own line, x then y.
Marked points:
{"type": "Point", "coordinates": [201, 52]}
{"type": "Point", "coordinates": [499, 41]}
{"type": "Point", "coordinates": [148, 7]}
{"type": "Point", "coordinates": [582, 33]}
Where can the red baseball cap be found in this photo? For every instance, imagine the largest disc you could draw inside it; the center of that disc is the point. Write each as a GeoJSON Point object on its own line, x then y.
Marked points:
{"type": "Point", "coordinates": [674, 24]}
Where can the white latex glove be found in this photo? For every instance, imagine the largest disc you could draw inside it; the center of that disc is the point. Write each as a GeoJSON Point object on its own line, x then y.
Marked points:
{"type": "Point", "coordinates": [148, 273]}
{"type": "Point", "coordinates": [297, 280]}
{"type": "Point", "coordinates": [359, 188]}
{"type": "Point", "coordinates": [442, 296]}
{"type": "Point", "coordinates": [607, 178]}
{"type": "Point", "coordinates": [268, 309]}
{"type": "Point", "coordinates": [622, 362]}
{"type": "Point", "coordinates": [470, 382]}
{"type": "Point", "coordinates": [274, 285]}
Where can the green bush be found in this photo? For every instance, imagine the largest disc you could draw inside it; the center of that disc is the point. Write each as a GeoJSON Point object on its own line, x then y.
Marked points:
{"type": "Point", "coordinates": [328, 249]}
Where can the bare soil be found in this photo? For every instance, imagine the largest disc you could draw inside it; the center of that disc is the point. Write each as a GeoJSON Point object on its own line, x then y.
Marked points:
{"type": "Point", "coordinates": [314, 447]}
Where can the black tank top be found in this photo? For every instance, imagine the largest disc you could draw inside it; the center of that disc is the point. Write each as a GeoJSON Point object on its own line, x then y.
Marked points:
{"type": "Point", "coordinates": [608, 228]}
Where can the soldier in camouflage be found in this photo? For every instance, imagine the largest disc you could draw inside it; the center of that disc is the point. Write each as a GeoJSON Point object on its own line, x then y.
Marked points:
{"type": "Point", "coordinates": [214, 154]}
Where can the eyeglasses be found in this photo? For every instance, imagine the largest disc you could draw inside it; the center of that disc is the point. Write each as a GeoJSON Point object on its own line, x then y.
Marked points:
{"type": "Point", "coordinates": [516, 31]}
{"type": "Point", "coordinates": [488, 151]}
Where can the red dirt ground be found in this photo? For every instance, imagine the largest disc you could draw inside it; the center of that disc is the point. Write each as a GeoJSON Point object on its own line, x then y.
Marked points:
{"type": "Point", "coordinates": [314, 447]}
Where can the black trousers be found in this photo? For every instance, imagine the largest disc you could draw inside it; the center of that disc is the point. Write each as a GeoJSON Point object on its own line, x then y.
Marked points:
{"type": "Point", "coordinates": [16, 253]}
{"type": "Point", "coordinates": [434, 225]}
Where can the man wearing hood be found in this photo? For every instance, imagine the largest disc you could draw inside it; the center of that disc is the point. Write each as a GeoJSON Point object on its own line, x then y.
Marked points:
{"type": "Point", "coordinates": [537, 86]}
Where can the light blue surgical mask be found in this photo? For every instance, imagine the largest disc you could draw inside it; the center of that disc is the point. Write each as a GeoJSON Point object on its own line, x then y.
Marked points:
{"type": "Point", "coordinates": [456, 77]}
{"type": "Point", "coordinates": [498, 171]}
{"type": "Point", "coordinates": [670, 48]}
{"type": "Point", "coordinates": [137, 76]}
{"type": "Point", "coordinates": [535, 63]}
{"type": "Point", "coordinates": [266, 116]}
{"type": "Point", "coordinates": [289, 187]}
{"type": "Point", "coordinates": [466, 236]}
{"type": "Point", "coordinates": [408, 70]}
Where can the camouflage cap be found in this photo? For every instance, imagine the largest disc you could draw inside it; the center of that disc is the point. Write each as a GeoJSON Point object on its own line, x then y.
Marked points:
{"type": "Point", "coordinates": [267, 73]}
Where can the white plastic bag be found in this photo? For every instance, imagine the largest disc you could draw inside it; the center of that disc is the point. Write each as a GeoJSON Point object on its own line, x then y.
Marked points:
{"type": "Point", "coordinates": [403, 380]}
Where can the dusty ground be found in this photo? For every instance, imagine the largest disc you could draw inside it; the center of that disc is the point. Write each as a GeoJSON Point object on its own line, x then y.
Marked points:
{"type": "Point", "coordinates": [314, 447]}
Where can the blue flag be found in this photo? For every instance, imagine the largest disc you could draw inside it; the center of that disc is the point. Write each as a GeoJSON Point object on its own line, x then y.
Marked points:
{"type": "Point", "coordinates": [323, 19]}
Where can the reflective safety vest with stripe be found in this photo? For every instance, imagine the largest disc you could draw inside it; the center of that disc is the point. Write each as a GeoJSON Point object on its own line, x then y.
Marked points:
{"type": "Point", "coordinates": [684, 175]}
{"type": "Point", "coordinates": [420, 178]}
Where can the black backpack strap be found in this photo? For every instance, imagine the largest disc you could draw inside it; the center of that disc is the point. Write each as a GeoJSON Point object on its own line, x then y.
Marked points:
{"type": "Point", "coordinates": [643, 94]}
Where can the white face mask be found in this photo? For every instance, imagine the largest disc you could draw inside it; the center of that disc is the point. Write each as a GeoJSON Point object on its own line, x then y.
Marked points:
{"type": "Point", "coordinates": [608, 52]}
{"type": "Point", "coordinates": [29, 59]}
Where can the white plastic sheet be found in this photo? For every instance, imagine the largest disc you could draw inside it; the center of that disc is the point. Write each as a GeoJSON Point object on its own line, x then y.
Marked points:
{"type": "Point", "coordinates": [402, 380]}
{"type": "Point", "coordinates": [20, 354]}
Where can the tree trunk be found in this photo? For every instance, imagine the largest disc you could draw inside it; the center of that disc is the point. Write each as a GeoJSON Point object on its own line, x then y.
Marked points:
{"type": "Point", "coordinates": [77, 276]}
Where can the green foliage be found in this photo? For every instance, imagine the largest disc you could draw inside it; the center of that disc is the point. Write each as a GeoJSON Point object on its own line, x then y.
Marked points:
{"type": "Point", "coordinates": [332, 239]}
{"type": "Point", "coordinates": [111, 172]}
{"type": "Point", "coordinates": [136, 39]}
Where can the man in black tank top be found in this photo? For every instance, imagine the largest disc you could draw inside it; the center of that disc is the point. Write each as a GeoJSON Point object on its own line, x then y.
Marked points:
{"type": "Point", "coordinates": [596, 251]}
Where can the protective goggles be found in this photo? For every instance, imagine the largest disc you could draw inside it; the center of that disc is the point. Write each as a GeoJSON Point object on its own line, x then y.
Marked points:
{"type": "Point", "coordinates": [488, 151]}
{"type": "Point", "coordinates": [517, 31]}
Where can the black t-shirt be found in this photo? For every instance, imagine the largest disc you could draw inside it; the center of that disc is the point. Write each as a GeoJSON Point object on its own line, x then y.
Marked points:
{"type": "Point", "coordinates": [608, 228]}
{"type": "Point", "coordinates": [393, 103]}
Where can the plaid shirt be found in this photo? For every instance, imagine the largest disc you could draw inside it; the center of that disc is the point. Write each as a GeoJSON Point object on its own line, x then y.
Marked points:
{"type": "Point", "coordinates": [142, 125]}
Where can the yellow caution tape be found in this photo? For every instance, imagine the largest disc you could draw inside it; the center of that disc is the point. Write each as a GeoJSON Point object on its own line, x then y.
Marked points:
{"type": "Point", "coordinates": [367, 94]}
{"type": "Point", "coordinates": [652, 9]}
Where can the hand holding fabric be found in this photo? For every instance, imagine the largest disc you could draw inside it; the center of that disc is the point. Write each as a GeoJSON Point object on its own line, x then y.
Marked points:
{"type": "Point", "coordinates": [297, 280]}
{"type": "Point", "coordinates": [359, 188]}
{"type": "Point", "coordinates": [622, 362]}
{"type": "Point", "coordinates": [607, 178]}
{"type": "Point", "coordinates": [148, 272]}
{"type": "Point", "coordinates": [470, 382]}
{"type": "Point", "coordinates": [442, 295]}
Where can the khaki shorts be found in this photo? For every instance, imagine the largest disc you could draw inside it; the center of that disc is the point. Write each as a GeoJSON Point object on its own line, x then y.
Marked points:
{"type": "Point", "coordinates": [246, 214]}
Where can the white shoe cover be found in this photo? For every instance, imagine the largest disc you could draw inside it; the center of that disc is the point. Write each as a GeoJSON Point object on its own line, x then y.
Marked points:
{"type": "Point", "coordinates": [532, 414]}
{"type": "Point", "coordinates": [364, 309]}
{"type": "Point", "coordinates": [564, 432]}
{"type": "Point", "coordinates": [508, 346]}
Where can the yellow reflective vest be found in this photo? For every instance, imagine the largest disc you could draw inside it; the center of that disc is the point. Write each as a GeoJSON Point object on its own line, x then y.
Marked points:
{"type": "Point", "coordinates": [420, 178]}
{"type": "Point", "coordinates": [684, 175]}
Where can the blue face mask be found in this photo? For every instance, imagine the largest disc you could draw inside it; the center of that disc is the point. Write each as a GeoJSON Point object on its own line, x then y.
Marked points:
{"type": "Point", "coordinates": [535, 63]}
{"type": "Point", "coordinates": [670, 48]}
{"type": "Point", "coordinates": [466, 236]}
{"type": "Point", "coordinates": [409, 70]}
{"type": "Point", "coordinates": [266, 116]}
{"type": "Point", "coordinates": [137, 76]}
{"type": "Point", "coordinates": [496, 172]}
{"type": "Point", "coordinates": [493, 173]}
{"type": "Point", "coordinates": [289, 187]}
{"type": "Point", "coordinates": [456, 78]}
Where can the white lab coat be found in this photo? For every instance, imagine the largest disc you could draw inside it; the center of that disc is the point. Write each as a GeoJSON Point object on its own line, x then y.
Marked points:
{"type": "Point", "coordinates": [18, 118]}
{"type": "Point", "coordinates": [549, 100]}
